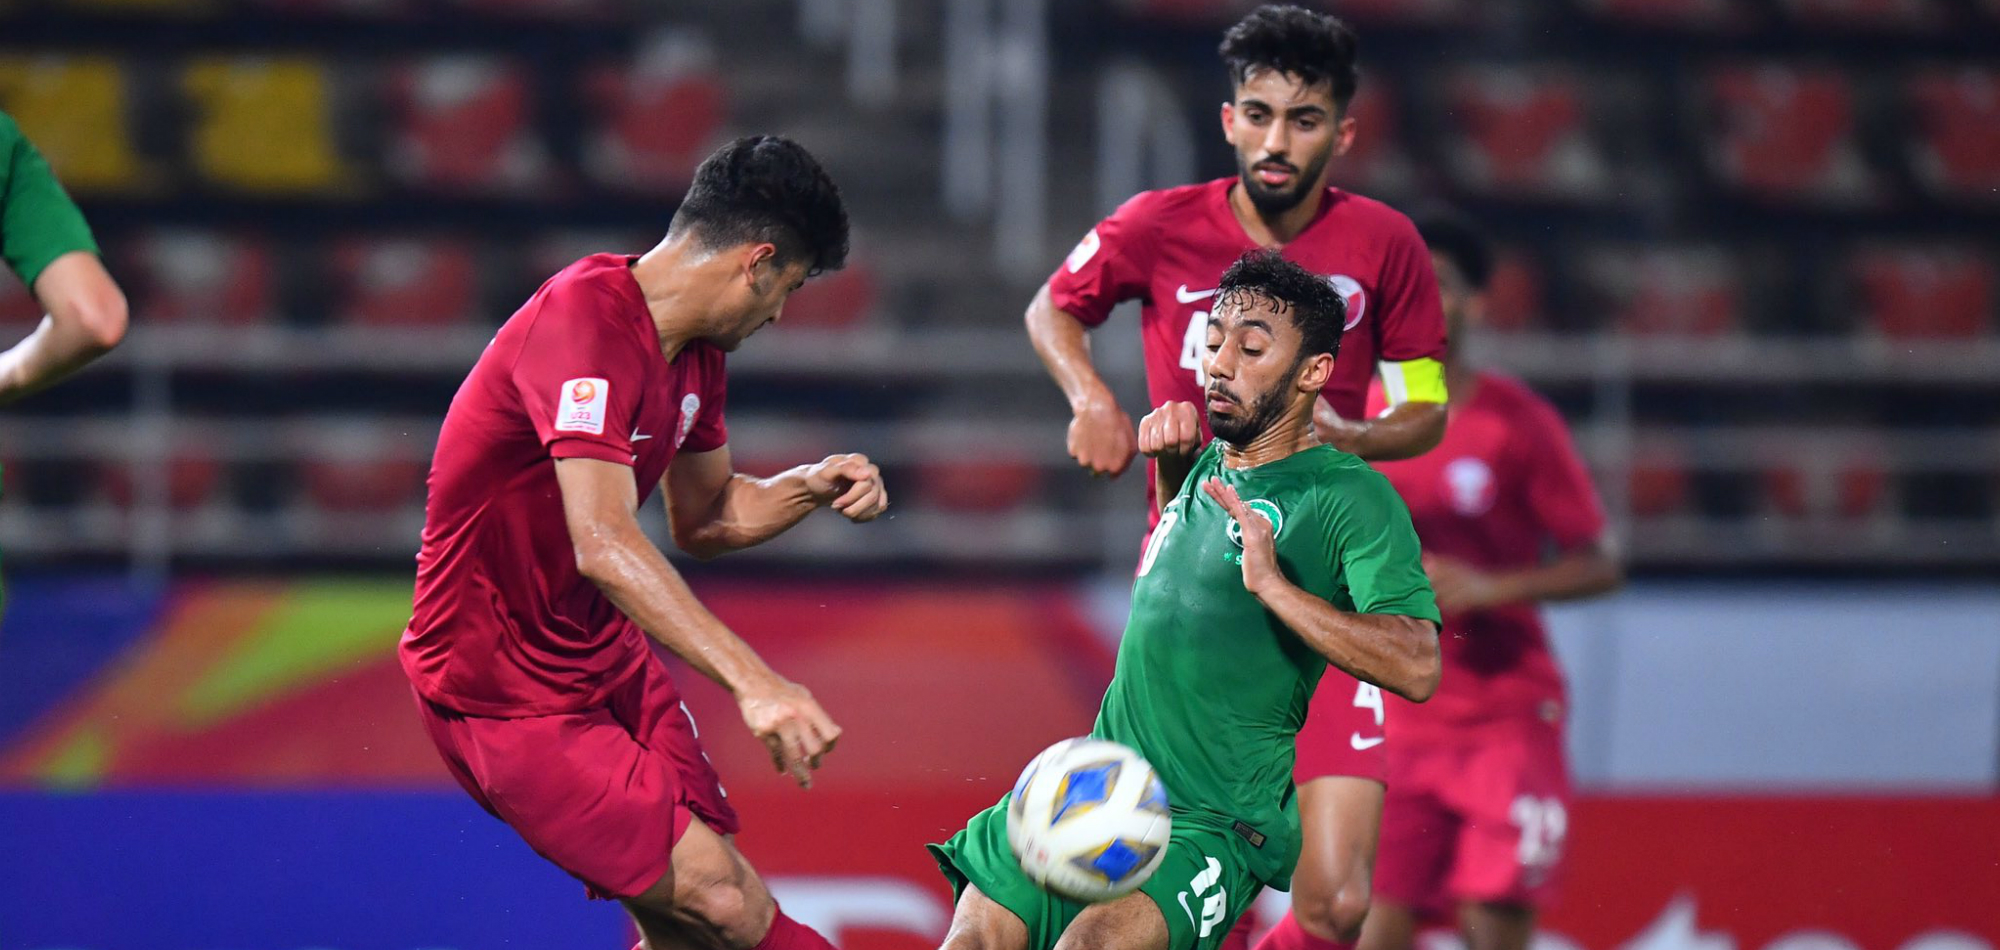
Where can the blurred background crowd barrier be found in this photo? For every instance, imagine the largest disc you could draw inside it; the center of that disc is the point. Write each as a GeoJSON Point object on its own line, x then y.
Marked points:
{"type": "Point", "coordinates": [1751, 248]}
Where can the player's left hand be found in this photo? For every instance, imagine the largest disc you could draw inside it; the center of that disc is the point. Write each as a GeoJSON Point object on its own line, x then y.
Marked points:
{"type": "Point", "coordinates": [1260, 549]}
{"type": "Point", "coordinates": [850, 484]}
{"type": "Point", "coordinates": [1460, 586]}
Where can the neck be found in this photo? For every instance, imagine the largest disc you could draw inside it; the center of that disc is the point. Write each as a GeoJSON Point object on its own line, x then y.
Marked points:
{"type": "Point", "coordinates": [1289, 435]}
{"type": "Point", "coordinates": [1281, 228]}
{"type": "Point", "coordinates": [668, 279]}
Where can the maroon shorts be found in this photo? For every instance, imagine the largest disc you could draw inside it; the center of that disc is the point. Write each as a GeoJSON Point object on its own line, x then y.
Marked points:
{"type": "Point", "coordinates": [1480, 818]}
{"type": "Point", "coordinates": [1343, 731]}
{"type": "Point", "coordinates": [603, 792]}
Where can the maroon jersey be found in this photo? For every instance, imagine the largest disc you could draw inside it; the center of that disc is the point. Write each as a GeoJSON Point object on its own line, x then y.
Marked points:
{"type": "Point", "coordinates": [1503, 487]}
{"type": "Point", "coordinates": [503, 623]}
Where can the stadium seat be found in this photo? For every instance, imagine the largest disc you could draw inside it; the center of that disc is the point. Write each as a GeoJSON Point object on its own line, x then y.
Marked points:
{"type": "Point", "coordinates": [405, 282]}
{"type": "Point", "coordinates": [1686, 14]}
{"type": "Point", "coordinates": [1807, 486]}
{"type": "Point", "coordinates": [1524, 131]}
{"type": "Point", "coordinates": [465, 124]}
{"type": "Point", "coordinates": [264, 124]}
{"type": "Point", "coordinates": [839, 300]}
{"type": "Point", "coordinates": [192, 478]}
{"type": "Point", "coordinates": [1514, 293]}
{"type": "Point", "coordinates": [75, 109]}
{"type": "Point", "coordinates": [363, 484]}
{"type": "Point", "coordinates": [1956, 150]}
{"type": "Point", "coordinates": [1668, 291]}
{"type": "Point", "coordinates": [1787, 134]}
{"type": "Point", "coordinates": [657, 117]}
{"type": "Point", "coordinates": [1866, 14]}
{"type": "Point", "coordinates": [202, 277]}
{"type": "Point", "coordinates": [977, 485]}
{"type": "Point", "coordinates": [1658, 479]}
{"type": "Point", "coordinates": [1925, 292]}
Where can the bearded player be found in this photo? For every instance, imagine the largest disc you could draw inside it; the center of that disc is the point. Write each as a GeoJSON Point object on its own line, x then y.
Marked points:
{"type": "Point", "coordinates": [1275, 555]}
{"type": "Point", "coordinates": [1294, 75]}
{"type": "Point", "coordinates": [536, 587]}
{"type": "Point", "coordinates": [1479, 796]}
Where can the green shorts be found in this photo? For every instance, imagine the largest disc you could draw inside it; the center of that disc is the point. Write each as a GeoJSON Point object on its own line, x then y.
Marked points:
{"type": "Point", "coordinates": [1202, 885]}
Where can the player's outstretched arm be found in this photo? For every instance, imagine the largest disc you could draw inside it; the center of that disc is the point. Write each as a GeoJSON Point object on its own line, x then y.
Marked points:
{"type": "Point", "coordinates": [601, 506]}
{"type": "Point", "coordinates": [1100, 433]}
{"type": "Point", "coordinates": [86, 318]}
{"type": "Point", "coordinates": [1405, 431]}
{"type": "Point", "coordinates": [1395, 652]}
{"type": "Point", "coordinates": [713, 509]}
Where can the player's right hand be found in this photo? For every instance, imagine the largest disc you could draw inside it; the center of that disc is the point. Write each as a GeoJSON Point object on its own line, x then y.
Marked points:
{"type": "Point", "coordinates": [788, 719]}
{"type": "Point", "coordinates": [1173, 429]}
{"type": "Point", "coordinates": [1100, 438]}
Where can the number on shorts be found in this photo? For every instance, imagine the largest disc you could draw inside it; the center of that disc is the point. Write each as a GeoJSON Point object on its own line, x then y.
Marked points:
{"type": "Point", "coordinates": [1214, 907]}
{"type": "Point", "coordinates": [1194, 347]}
{"type": "Point", "coordinates": [1543, 823]}
{"type": "Point", "coordinates": [1369, 696]}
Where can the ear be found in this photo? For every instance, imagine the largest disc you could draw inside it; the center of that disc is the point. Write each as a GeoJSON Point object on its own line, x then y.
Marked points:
{"type": "Point", "coordinates": [759, 263]}
{"type": "Point", "coordinates": [1343, 135]}
{"type": "Point", "coordinates": [1318, 370]}
{"type": "Point", "coordinates": [1228, 119]}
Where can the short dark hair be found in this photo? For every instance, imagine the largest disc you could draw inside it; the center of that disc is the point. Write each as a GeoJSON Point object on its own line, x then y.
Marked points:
{"type": "Point", "coordinates": [1314, 47]}
{"type": "Point", "coordinates": [1459, 241]}
{"type": "Point", "coordinates": [1315, 307]}
{"type": "Point", "coordinates": [767, 188]}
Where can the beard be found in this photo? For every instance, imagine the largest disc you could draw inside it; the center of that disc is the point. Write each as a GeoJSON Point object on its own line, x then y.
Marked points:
{"type": "Point", "coordinates": [1242, 429]}
{"type": "Point", "coordinates": [1270, 201]}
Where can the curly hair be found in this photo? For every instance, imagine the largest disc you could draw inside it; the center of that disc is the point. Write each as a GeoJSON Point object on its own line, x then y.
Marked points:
{"type": "Point", "coordinates": [767, 189]}
{"type": "Point", "coordinates": [1315, 47]}
{"type": "Point", "coordinates": [1264, 276]}
{"type": "Point", "coordinates": [1459, 241]}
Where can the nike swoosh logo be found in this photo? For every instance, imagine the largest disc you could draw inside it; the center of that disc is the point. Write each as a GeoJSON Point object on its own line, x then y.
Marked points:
{"type": "Point", "coordinates": [1185, 909]}
{"type": "Point", "coordinates": [1183, 296]}
{"type": "Point", "coordinates": [1363, 745]}
{"type": "Point", "coordinates": [636, 437]}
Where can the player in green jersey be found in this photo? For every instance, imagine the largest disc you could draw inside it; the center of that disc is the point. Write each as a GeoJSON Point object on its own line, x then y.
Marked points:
{"type": "Point", "coordinates": [1233, 620]}
{"type": "Point", "coordinates": [45, 241]}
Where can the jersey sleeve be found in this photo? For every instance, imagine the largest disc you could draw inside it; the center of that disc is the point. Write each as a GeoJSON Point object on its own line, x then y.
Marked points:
{"type": "Point", "coordinates": [38, 221]}
{"type": "Point", "coordinates": [1412, 318]}
{"type": "Point", "coordinates": [710, 431]}
{"type": "Point", "coordinates": [1110, 265]}
{"type": "Point", "coordinates": [1376, 547]}
{"type": "Point", "coordinates": [580, 377]}
{"type": "Point", "coordinates": [1559, 491]}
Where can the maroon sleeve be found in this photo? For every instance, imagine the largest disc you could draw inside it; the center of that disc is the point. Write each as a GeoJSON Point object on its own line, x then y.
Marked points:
{"type": "Point", "coordinates": [709, 431]}
{"type": "Point", "coordinates": [1411, 325]}
{"type": "Point", "coordinates": [580, 375]}
{"type": "Point", "coordinates": [1560, 495]}
{"type": "Point", "coordinates": [1108, 266]}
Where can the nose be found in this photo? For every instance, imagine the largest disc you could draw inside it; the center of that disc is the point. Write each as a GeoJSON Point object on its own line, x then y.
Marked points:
{"type": "Point", "coordinates": [1277, 139]}
{"type": "Point", "coordinates": [1222, 364]}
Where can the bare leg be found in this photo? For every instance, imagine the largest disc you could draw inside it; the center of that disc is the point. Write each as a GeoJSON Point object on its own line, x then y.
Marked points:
{"type": "Point", "coordinates": [1340, 818]}
{"type": "Point", "coordinates": [977, 923]}
{"type": "Point", "coordinates": [1492, 926]}
{"type": "Point", "coordinates": [1389, 927]}
{"type": "Point", "coordinates": [1132, 922]}
{"type": "Point", "coordinates": [710, 899]}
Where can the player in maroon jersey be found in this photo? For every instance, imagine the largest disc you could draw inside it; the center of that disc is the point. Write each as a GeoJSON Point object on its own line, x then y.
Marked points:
{"type": "Point", "coordinates": [1478, 783]}
{"type": "Point", "coordinates": [536, 587]}
{"type": "Point", "coordinates": [1293, 74]}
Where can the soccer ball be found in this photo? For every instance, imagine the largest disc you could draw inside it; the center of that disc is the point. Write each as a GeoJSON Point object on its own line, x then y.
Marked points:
{"type": "Point", "coordinates": [1088, 820]}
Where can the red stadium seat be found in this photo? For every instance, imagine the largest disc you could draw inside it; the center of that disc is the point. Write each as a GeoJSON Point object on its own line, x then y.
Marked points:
{"type": "Point", "coordinates": [203, 277]}
{"type": "Point", "coordinates": [1669, 292]}
{"type": "Point", "coordinates": [1658, 480]}
{"type": "Point", "coordinates": [657, 118]}
{"type": "Point", "coordinates": [1514, 293]}
{"type": "Point", "coordinates": [192, 481]}
{"type": "Point", "coordinates": [361, 485]}
{"type": "Point", "coordinates": [1957, 146]}
{"type": "Point", "coordinates": [982, 485]}
{"type": "Point", "coordinates": [838, 300]}
{"type": "Point", "coordinates": [1852, 489]}
{"type": "Point", "coordinates": [404, 282]}
{"type": "Point", "coordinates": [1686, 14]}
{"type": "Point", "coordinates": [1867, 14]}
{"type": "Point", "coordinates": [1937, 292]}
{"type": "Point", "coordinates": [465, 123]}
{"type": "Point", "coordinates": [1524, 131]}
{"type": "Point", "coordinates": [1788, 133]}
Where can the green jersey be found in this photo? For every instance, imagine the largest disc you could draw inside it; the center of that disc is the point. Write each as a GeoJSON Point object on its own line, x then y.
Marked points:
{"type": "Point", "coordinates": [1211, 687]}
{"type": "Point", "coordinates": [38, 222]}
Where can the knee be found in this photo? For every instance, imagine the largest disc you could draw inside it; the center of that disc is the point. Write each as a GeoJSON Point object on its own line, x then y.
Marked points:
{"type": "Point", "coordinates": [736, 905]}
{"type": "Point", "coordinates": [1335, 913]}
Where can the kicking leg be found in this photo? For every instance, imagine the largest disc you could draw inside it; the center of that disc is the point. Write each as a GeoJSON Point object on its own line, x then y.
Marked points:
{"type": "Point", "coordinates": [712, 898]}
{"type": "Point", "coordinates": [1496, 926]}
{"type": "Point", "coordinates": [1132, 922]}
{"type": "Point", "coordinates": [1340, 819]}
{"type": "Point", "coordinates": [1390, 926]}
{"type": "Point", "coordinates": [979, 923]}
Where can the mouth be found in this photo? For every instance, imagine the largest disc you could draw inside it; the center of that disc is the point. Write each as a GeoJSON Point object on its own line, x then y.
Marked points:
{"type": "Point", "coordinates": [1274, 174]}
{"type": "Point", "coordinates": [1219, 401]}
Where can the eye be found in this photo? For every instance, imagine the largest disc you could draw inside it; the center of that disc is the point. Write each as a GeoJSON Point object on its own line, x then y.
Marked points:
{"type": "Point", "coordinates": [1307, 125]}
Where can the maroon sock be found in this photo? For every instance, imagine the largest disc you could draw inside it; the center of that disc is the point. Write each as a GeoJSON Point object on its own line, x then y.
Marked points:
{"type": "Point", "coordinates": [789, 934]}
{"type": "Point", "coordinates": [1288, 935]}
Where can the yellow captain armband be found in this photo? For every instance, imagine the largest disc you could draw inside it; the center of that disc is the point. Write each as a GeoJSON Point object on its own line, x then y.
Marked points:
{"type": "Point", "coordinates": [1418, 380]}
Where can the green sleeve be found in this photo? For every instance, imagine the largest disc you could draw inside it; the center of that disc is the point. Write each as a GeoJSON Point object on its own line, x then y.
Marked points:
{"type": "Point", "coordinates": [38, 222]}
{"type": "Point", "coordinates": [1377, 548]}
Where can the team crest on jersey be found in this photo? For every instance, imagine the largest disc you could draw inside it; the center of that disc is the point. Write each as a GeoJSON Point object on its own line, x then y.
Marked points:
{"type": "Point", "coordinates": [1270, 512]}
{"type": "Point", "coordinates": [1350, 291]}
{"type": "Point", "coordinates": [690, 406]}
{"type": "Point", "coordinates": [1468, 485]}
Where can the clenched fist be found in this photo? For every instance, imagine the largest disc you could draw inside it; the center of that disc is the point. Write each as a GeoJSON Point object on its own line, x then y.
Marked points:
{"type": "Point", "coordinates": [1174, 429]}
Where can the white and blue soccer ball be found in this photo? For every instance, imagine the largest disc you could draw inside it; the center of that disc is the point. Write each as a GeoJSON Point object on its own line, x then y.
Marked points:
{"type": "Point", "coordinates": [1088, 820]}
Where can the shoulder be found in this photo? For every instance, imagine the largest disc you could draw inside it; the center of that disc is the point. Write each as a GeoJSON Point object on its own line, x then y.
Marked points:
{"type": "Point", "coordinates": [1361, 211]}
{"type": "Point", "coordinates": [1149, 207]}
{"type": "Point", "coordinates": [1346, 486]}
